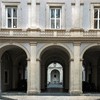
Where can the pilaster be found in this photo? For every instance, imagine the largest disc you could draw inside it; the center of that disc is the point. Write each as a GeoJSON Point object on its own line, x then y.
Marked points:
{"type": "Point", "coordinates": [31, 13]}
{"type": "Point", "coordinates": [76, 72]}
{"type": "Point", "coordinates": [33, 72]}
{"type": "Point", "coordinates": [76, 14]}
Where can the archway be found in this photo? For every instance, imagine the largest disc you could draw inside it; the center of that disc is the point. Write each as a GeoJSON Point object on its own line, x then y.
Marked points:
{"type": "Point", "coordinates": [91, 82]}
{"type": "Point", "coordinates": [53, 55]}
{"type": "Point", "coordinates": [55, 77]}
{"type": "Point", "coordinates": [13, 69]}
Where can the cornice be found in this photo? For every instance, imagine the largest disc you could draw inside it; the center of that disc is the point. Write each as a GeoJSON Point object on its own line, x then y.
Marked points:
{"type": "Point", "coordinates": [50, 39]}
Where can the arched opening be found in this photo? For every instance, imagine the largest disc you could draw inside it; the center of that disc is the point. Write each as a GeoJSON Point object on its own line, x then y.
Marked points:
{"type": "Point", "coordinates": [54, 65]}
{"type": "Point", "coordinates": [55, 77]}
{"type": "Point", "coordinates": [91, 70]}
{"type": "Point", "coordinates": [13, 69]}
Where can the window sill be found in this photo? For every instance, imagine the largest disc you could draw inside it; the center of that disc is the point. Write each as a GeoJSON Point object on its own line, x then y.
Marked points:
{"type": "Point", "coordinates": [11, 29]}
{"type": "Point", "coordinates": [55, 29]}
{"type": "Point", "coordinates": [94, 29]}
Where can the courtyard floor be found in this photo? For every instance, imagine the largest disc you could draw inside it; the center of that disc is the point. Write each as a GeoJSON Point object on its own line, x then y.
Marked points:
{"type": "Point", "coordinates": [51, 96]}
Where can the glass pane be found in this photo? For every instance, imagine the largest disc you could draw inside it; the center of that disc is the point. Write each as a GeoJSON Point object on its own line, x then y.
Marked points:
{"type": "Point", "coordinates": [9, 12]}
{"type": "Point", "coordinates": [95, 23]}
{"type": "Point", "coordinates": [9, 22]}
{"type": "Point", "coordinates": [99, 13]}
{"type": "Point", "coordinates": [99, 24]}
{"type": "Point", "coordinates": [14, 23]}
{"type": "Point", "coordinates": [57, 24]}
{"type": "Point", "coordinates": [52, 24]}
{"type": "Point", "coordinates": [52, 13]}
{"type": "Point", "coordinates": [14, 12]}
{"type": "Point", "coordinates": [57, 13]}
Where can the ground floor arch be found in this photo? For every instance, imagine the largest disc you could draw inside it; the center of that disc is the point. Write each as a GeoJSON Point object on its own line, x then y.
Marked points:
{"type": "Point", "coordinates": [91, 69]}
{"type": "Point", "coordinates": [13, 68]}
{"type": "Point", "coordinates": [53, 55]}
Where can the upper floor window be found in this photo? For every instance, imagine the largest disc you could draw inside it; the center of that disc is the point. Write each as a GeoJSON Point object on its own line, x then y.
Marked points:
{"type": "Point", "coordinates": [11, 17]}
{"type": "Point", "coordinates": [55, 18]}
{"type": "Point", "coordinates": [97, 18]}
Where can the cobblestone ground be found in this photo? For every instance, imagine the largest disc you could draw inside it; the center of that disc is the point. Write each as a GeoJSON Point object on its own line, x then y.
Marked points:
{"type": "Point", "coordinates": [48, 97]}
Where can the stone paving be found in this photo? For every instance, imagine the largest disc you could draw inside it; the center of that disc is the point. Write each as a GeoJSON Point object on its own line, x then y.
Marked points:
{"type": "Point", "coordinates": [51, 97]}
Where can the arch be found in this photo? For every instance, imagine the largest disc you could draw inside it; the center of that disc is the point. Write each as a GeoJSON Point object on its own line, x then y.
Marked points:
{"type": "Point", "coordinates": [86, 48]}
{"type": "Point", "coordinates": [59, 45]}
{"type": "Point", "coordinates": [91, 72]}
{"type": "Point", "coordinates": [55, 77]}
{"type": "Point", "coordinates": [18, 45]}
{"type": "Point", "coordinates": [55, 53]}
{"type": "Point", "coordinates": [16, 67]}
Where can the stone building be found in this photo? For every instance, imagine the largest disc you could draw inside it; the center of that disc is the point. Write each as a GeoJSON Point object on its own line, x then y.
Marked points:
{"type": "Point", "coordinates": [35, 34]}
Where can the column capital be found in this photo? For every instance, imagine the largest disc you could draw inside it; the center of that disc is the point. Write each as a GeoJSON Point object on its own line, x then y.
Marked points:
{"type": "Point", "coordinates": [33, 43]}
{"type": "Point", "coordinates": [28, 59]}
{"type": "Point", "coordinates": [77, 43]}
{"type": "Point", "coordinates": [38, 60]}
{"type": "Point", "coordinates": [81, 59]}
{"type": "Point", "coordinates": [72, 59]}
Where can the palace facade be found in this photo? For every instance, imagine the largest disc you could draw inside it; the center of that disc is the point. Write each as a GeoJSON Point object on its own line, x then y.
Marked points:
{"type": "Point", "coordinates": [50, 46]}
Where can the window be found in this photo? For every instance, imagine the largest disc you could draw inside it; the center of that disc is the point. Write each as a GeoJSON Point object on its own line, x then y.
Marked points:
{"type": "Point", "coordinates": [11, 17]}
{"type": "Point", "coordinates": [97, 18]}
{"type": "Point", "coordinates": [6, 77]}
{"type": "Point", "coordinates": [55, 18]}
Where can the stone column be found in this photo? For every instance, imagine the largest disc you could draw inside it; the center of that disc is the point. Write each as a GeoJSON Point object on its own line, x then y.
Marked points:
{"type": "Point", "coordinates": [76, 72]}
{"type": "Point", "coordinates": [38, 75]}
{"type": "Point", "coordinates": [0, 78]}
{"type": "Point", "coordinates": [33, 72]}
{"type": "Point", "coordinates": [80, 70]}
{"type": "Point", "coordinates": [71, 76]}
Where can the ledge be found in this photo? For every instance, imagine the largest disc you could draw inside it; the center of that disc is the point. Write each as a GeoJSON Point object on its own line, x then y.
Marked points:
{"type": "Point", "coordinates": [31, 29]}
{"type": "Point", "coordinates": [77, 30]}
{"type": "Point", "coordinates": [11, 29]}
{"type": "Point", "coordinates": [55, 29]}
{"type": "Point", "coordinates": [93, 30]}
{"type": "Point", "coordinates": [10, 1]}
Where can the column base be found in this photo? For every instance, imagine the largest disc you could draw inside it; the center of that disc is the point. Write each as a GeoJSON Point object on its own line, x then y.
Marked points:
{"type": "Point", "coordinates": [75, 92]}
{"type": "Point", "coordinates": [32, 92]}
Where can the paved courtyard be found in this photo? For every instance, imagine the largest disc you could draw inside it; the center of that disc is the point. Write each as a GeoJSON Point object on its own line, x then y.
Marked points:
{"type": "Point", "coordinates": [51, 97]}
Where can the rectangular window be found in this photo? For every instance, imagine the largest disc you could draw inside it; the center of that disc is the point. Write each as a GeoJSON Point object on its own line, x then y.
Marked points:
{"type": "Point", "coordinates": [97, 18]}
{"type": "Point", "coordinates": [11, 17]}
{"type": "Point", "coordinates": [55, 18]}
{"type": "Point", "coordinates": [6, 77]}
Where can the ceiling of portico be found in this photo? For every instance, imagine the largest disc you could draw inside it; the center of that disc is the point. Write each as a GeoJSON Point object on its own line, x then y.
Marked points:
{"type": "Point", "coordinates": [54, 55]}
{"type": "Point", "coordinates": [15, 52]}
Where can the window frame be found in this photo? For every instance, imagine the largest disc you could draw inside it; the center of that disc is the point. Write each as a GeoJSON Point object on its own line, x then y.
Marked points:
{"type": "Point", "coordinates": [63, 15]}
{"type": "Point", "coordinates": [93, 7]}
{"type": "Point", "coordinates": [5, 4]}
{"type": "Point", "coordinates": [12, 16]}
{"type": "Point", "coordinates": [55, 19]}
{"type": "Point", "coordinates": [98, 18]}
